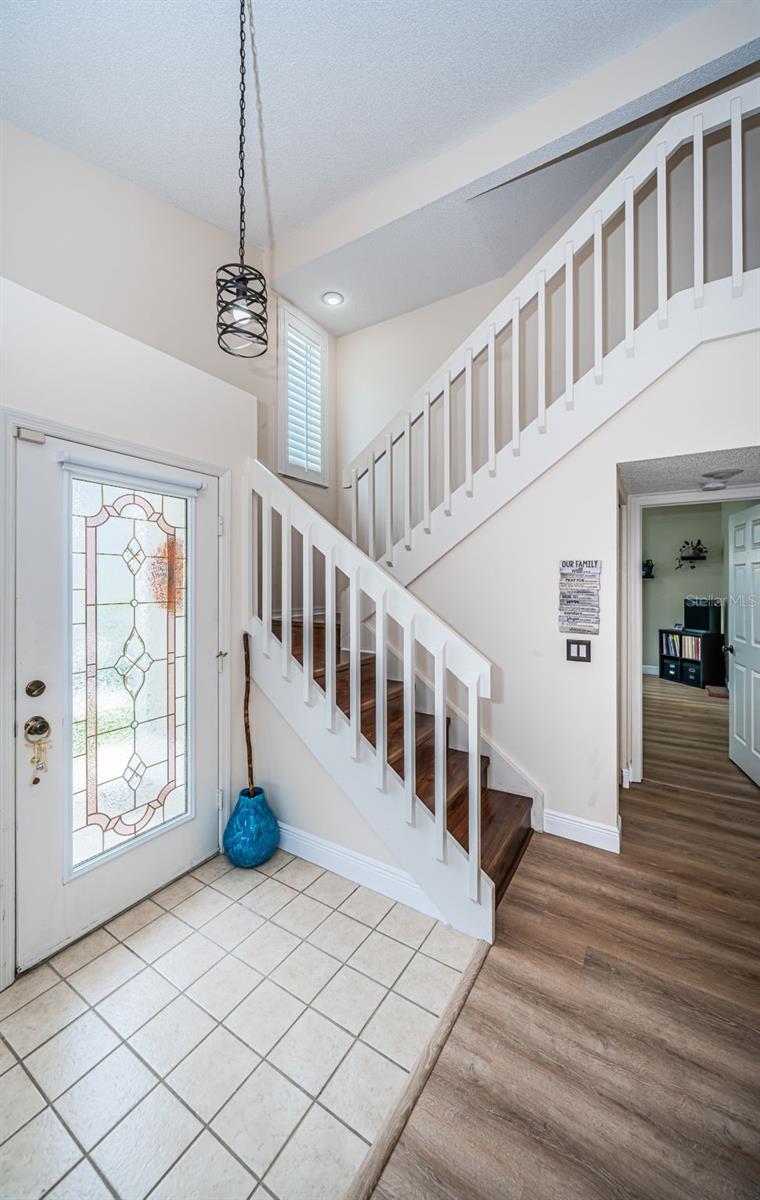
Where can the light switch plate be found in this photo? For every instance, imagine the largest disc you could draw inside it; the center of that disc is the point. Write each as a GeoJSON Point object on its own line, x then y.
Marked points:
{"type": "Point", "coordinates": [578, 651]}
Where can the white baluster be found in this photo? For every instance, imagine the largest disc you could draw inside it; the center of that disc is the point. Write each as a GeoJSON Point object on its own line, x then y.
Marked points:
{"type": "Point", "coordinates": [629, 267]}
{"type": "Point", "coordinates": [598, 298]}
{"type": "Point", "coordinates": [410, 740]}
{"type": "Point", "coordinates": [569, 326]}
{"type": "Point", "coordinates": [541, 315]}
{"type": "Point", "coordinates": [447, 444]}
{"type": "Point", "coordinates": [308, 614]}
{"type": "Point", "coordinates": [662, 235]}
{"type": "Point", "coordinates": [737, 224]}
{"type": "Point", "coordinates": [468, 422]}
{"type": "Point", "coordinates": [285, 597]}
{"type": "Point", "coordinates": [354, 507]}
{"type": "Point", "coordinates": [266, 574]}
{"type": "Point", "coordinates": [516, 375]}
{"type": "Point", "coordinates": [389, 499]}
{"type": "Point", "coordinates": [699, 213]}
{"type": "Point", "coordinates": [371, 506]}
{"type": "Point", "coordinates": [408, 481]}
{"type": "Point", "coordinates": [426, 463]}
{"type": "Point", "coordinates": [254, 500]}
{"type": "Point", "coordinates": [492, 400]}
{"type": "Point", "coordinates": [354, 668]}
{"type": "Point", "coordinates": [381, 730]}
{"type": "Point", "coordinates": [441, 783]}
{"type": "Point", "coordinates": [473, 797]}
{"type": "Point", "coordinates": [330, 637]}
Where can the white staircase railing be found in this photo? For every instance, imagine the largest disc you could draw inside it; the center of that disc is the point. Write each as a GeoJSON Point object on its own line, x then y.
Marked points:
{"type": "Point", "coordinates": [405, 507]}
{"type": "Point", "coordinates": [419, 839]}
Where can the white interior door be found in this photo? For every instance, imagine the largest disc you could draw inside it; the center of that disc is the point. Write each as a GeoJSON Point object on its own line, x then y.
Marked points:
{"type": "Point", "coordinates": [744, 640]}
{"type": "Point", "coordinates": [117, 635]}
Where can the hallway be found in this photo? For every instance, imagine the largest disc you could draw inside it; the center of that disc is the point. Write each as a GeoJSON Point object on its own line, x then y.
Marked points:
{"type": "Point", "coordinates": [611, 1044]}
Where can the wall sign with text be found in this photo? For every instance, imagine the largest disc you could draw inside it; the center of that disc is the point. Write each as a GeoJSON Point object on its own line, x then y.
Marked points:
{"type": "Point", "coordinates": [579, 580]}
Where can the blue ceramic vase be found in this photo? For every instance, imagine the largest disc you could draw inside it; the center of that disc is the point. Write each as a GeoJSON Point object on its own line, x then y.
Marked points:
{"type": "Point", "coordinates": [252, 834]}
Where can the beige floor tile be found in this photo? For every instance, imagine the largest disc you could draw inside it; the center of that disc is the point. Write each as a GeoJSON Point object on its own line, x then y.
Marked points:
{"type": "Point", "coordinates": [206, 1171]}
{"type": "Point", "coordinates": [366, 905]}
{"type": "Point", "coordinates": [339, 935]}
{"type": "Point", "coordinates": [232, 926]}
{"type": "Point", "coordinates": [311, 1050]}
{"type": "Point", "coordinates": [19, 1101]}
{"type": "Point", "coordinates": [7, 1059]}
{"type": "Point", "coordinates": [63, 1060]}
{"type": "Point", "coordinates": [83, 1183]}
{"type": "Point", "coordinates": [94, 1105]}
{"type": "Point", "coordinates": [224, 986]}
{"type": "Point", "coordinates": [269, 897]}
{"type": "Point", "coordinates": [331, 889]}
{"type": "Point", "coordinates": [305, 971]}
{"type": "Point", "coordinates": [320, 1160]}
{"type": "Point", "coordinates": [202, 907]}
{"type": "Point", "coordinates": [171, 1034]}
{"type": "Point", "coordinates": [238, 882]}
{"type": "Point", "coordinates": [364, 1089]}
{"type": "Point", "coordinates": [266, 948]}
{"type": "Point", "coordinates": [406, 925]}
{"type": "Point", "coordinates": [273, 864]}
{"type": "Point", "coordinates": [302, 915]}
{"type": "Point", "coordinates": [161, 935]}
{"type": "Point", "coordinates": [264, 1016]}
{"type": "Point", "coordinates": [428, 983]}
{"type": "Point", "coordinates": [38, 1020]}
{"type": "Point", "coordinates": [82, 952]}
{"type": "Point", "coordinates": [350, 998]}
{"type": "Point", "coordinates": [27, 987]}
{"type": "Point", "coordinates": [133, 919]}
{"type": "Point", "coordinates": [212, 869]}
{"type": "Point", "coordinates": [381, 958]}
{"type": "Point", "coordinates": [189, 960]}
{"type": "Point", "coordinates": [299, 874]}
{"type": "Point", "coordinates": [400, 1030]}
{"type": "Point", "coordinates": [136, 1001]}
{"type": "Point", "coordinates": [169, 897]}
{"type": "Point", "coordinates": [146, 1143]}
{"type": "Point", "coordinates": [25, 1173]}
{"type": "Point", "coordinates": [260, 1117]}
{"type": "Point", "coordinates": [103, 975]}
{"type": "Point", "coordinates": [449, 946]}
{"type": "Point", "coordinates": [212, 1072]}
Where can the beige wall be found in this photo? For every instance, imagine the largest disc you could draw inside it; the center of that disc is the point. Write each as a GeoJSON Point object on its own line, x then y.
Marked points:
{"type": "Point", "coordinates": [558, 719]}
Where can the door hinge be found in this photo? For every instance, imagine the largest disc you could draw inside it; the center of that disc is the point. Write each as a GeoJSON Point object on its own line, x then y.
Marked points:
{"type": "Point", "coordinates": [220, 526]}
{"type": "Point", "coordinates": [219, 799]}
{"type": "Point", "coordinates": [30, 435]}
{"type": "Point", "coordinates": [220, 657]}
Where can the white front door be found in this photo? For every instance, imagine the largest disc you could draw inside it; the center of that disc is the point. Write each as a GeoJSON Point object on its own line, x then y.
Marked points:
{"type": "Point", "coordinates": [117, 636]}
{"type": "Point", "coordinates": [744, 640]}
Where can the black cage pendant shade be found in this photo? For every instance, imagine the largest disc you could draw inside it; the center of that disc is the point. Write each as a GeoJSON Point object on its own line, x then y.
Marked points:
{"type": "Point", "coordinates": [241, 290]}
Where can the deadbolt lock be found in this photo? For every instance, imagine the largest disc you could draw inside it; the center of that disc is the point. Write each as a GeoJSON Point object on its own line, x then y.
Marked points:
{"type": "Point", "coordinates": [37, 727]}
{"type": "Point", "coordinates": [35, 687]}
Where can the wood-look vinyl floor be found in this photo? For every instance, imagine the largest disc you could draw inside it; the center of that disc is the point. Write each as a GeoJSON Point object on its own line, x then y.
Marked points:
{"type": "Point", "coordinates": [610, 1047]}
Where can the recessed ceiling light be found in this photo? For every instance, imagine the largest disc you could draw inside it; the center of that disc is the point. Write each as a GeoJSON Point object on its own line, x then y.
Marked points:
{"type": "Point", "coordinates": [333, 299]}
{"type": "Point", "coordinates": [713, 485]}
{"type": "Point", "coordinates": [715, 481]}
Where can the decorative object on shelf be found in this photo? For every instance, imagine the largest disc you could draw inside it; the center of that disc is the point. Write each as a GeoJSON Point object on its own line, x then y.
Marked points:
{"type": "Point", "coordinates": [579, 580]}
{"type": "Point", "coordinates": [241, 290]}
{"type": "Point", "coordinates": [692, 553]}
{"type": "Point", "coordinates": [647, 569]}
{"type": "Point", "coordinates": [252, 834]}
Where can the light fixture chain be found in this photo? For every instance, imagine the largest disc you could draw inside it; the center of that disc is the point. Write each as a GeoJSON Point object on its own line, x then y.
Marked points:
{"type": "Point", "coordinates": [241, 169]}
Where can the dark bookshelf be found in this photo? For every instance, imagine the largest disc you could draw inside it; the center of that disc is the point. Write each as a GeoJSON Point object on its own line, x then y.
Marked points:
{"type": "Point", "coordinates": [692, 657]}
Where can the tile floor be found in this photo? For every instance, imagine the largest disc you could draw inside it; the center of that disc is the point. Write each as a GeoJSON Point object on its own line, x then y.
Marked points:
{"type": "Point", "coordinates": [240, 1033]}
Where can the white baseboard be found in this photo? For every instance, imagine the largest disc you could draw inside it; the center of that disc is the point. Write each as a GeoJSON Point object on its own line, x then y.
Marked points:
{"type": "Point", "coordinates": [389, 881]}
{"type": "Point", "coordinates": [651, 670]}
{"type": "Point", "coordinates": [577, 829]}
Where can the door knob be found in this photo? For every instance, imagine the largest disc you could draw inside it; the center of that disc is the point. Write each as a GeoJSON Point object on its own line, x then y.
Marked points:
{"type": "Point", "coordinates": [730, 649]}
{"type": "Point", "coordinates": [37, 727]}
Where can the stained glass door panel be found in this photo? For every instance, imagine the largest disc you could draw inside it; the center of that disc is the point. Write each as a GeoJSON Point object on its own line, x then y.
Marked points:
{"type": "Point", "coordinates": [129, 664]}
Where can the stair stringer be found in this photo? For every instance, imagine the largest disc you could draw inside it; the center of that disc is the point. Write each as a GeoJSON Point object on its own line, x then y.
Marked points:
{"type": "Point", "coordinates": [657, 350]}
{"type": "Point", "coordinates": [413, 845]}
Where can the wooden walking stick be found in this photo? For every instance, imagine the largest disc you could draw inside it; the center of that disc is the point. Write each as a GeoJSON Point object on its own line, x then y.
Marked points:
{"type": "Point", "coordinates": [246, 718]}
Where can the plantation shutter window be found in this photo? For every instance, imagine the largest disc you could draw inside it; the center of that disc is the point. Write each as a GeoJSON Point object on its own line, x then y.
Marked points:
{"type": "Point", "coordinates": [302, 398]}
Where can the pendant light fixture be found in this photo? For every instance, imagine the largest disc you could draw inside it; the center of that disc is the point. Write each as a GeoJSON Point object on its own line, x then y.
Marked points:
{"type": "Point", "coordinates": [241, 290]}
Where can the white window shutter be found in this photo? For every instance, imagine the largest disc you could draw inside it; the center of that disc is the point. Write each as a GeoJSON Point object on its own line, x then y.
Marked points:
{"type": "Point", "coordinates": [303, 398]}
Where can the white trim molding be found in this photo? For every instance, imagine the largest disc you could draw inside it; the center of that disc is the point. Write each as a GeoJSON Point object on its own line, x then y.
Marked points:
{"type": "Point", "coordinates": [389, 881]}
{"type": "Point", "coordinates": [578, 829]}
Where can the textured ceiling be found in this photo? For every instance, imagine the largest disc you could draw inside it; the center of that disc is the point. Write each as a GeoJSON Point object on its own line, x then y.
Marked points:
{"type": "Point", "coordinates": [353, 91]}
{"type": "Point", "coordinates": [684, 471]}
